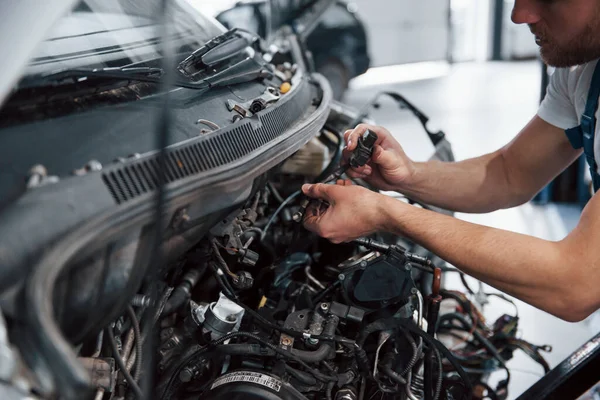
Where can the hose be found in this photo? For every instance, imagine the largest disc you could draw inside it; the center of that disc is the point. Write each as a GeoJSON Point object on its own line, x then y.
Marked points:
{"type": "Point", "coordinates": [245, 349]}
{"type": "Point", "coordinates": [316, 373]}
{"type": "Point", "coordinates": [301, 376]}
{"type": "Point", "coordinates": [330, 386]}
{"type": "Point", "coordinates": [119, 360]}
{"type": "Point", "coordinates": [324, 349]}
{"type": "Point", "coordinates": [182, 292]}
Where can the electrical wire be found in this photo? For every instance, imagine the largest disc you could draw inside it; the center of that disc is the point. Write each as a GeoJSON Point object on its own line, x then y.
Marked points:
{"type": "Point", "coordinates": [279, 209]}
{"type": "Point", "coordinates": [119, 360]}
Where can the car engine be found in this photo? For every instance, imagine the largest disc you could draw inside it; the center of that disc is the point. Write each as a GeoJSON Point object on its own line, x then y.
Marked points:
{"type": "Point", "coordinates": [228, 296]}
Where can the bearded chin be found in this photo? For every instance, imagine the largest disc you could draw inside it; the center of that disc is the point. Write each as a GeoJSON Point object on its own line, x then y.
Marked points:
{"type": "Point", "coordinates": [582, 50]}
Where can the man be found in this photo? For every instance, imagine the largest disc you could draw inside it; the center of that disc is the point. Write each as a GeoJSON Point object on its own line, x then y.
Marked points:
{"type": "Point", "coordinates": [561, 277]}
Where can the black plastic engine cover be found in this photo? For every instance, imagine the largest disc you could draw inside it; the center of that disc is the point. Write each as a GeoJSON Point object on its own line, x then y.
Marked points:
{"type": "Point", "coordinates": [250, 385]}
{"type": "Point", "coordinates": [378, 283]}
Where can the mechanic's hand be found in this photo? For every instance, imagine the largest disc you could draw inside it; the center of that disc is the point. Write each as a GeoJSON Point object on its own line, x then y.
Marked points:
{"type": "Point", "coordinates": [352, 211]}
{"type": "Point", "coordinates": [389, 168]}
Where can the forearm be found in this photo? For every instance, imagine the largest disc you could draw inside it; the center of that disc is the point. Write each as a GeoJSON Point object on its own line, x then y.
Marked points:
{"type": "Point", "coordinates": [475, 185]}
{"type": "Point", "coordinates": [528, 268]}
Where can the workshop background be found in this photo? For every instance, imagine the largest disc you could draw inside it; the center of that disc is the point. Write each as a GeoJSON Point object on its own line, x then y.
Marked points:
{"type": "Point", "coordinates": [479, 78]}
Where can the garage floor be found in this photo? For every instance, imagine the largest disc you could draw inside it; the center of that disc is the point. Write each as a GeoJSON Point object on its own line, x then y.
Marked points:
{"type": "Point", "coordinates": [482, 107]}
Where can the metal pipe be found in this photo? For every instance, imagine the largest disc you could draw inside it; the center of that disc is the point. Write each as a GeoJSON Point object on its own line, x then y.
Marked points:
{"type": "Point", "coordinates": [99, 341]}
{"type": "Point", "coordinates": [313, 279]}
{"type": "Point", "coordinates": [99, 394]}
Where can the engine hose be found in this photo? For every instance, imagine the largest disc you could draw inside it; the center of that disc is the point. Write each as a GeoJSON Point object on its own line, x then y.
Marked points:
{"type": "Point", "coordinates": [245, 349]}
{"type": "Point", "coordinates": [182, 293]}
{"type": "Point", "coordinates": [119, 360]}
{"type": "Point", "coordinates": [316, 373]}
{"type": "Point", "coordinates": [301, 376]}
{"type": "Point", "coordinates": [324, 349]}
{"type": "Point", "coordinates": [328, 394]}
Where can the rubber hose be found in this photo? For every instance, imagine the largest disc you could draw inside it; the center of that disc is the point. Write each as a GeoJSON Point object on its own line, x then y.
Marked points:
{"type": "Point", "coordinates": [182, 292]}
{"type": "Point", "coordinates": [245, 349]}
{"type": "Point", "coordinates": [301, 376]}
{"type": "Point", "coordinates": [324, 349]}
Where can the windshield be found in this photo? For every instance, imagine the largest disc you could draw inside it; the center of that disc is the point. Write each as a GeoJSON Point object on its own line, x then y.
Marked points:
{"type": "Point", "coordinates": [120, 33]}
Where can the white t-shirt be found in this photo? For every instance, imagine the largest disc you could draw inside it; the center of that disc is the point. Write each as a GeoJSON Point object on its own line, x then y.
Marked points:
{"type": "Point", "coordinates": [566, 98]}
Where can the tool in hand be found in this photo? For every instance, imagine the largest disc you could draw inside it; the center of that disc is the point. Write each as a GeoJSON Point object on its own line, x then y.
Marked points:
{"type": "Point", "coordinates": [359, 157]}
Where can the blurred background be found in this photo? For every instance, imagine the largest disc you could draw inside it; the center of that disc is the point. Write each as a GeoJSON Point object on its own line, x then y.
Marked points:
{"type": "Point", "coordinates": [479, 78]}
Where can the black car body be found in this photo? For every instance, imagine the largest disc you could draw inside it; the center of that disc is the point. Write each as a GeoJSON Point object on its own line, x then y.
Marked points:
{"type": "Point", "coordinates": [338, 43]}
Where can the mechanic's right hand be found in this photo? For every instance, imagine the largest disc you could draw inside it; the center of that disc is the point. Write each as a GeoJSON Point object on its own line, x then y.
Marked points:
{"type": "Point", "coordinates": [389, 168]}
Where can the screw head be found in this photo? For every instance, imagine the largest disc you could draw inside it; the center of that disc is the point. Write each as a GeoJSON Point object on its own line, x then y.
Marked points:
{"type": "Point", "coordinates": [407, 267]}
{"type": "Point", "coordinates": [324, 306]}
{"type": "Point", "coordinates": [363, 264]}
{"type": "Point", "coordinates": [286, 341]}
{"type": "Point", "coordinates": [341, 277]}
{"type": "Point", "coordinates": [414, 290]}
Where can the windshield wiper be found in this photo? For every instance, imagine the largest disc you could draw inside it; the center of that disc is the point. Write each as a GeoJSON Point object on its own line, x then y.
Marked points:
{"type": "Point", "coordinates": [219, 49]}
{"type": "Point", "coordinates": [73, 76]}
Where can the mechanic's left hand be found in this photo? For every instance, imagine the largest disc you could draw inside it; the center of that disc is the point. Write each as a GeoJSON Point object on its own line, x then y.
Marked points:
{"type": "Point", "coordinates": [353, 211]}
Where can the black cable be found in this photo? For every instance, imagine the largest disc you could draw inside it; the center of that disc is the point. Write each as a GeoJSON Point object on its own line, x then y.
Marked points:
{"type": "Point", "coordinates": [119, 360]}
{"type": "Point", "coordinates": [335, 160]}
{"type": "Point", "coordinates": [415, 355]}
{"type": "Point", "coordinates": [320, 296]}
{"type": "Point", "coordinates": [223, 282]}
{"type": "Point", "coordinates": [279, 209]}
{"type": "Point", "coordinates": [138, 343]}
{"type": "Point", "coordinates": [484, 342]}
{"type": "Point", "coordinates": [316, 373]}
{"type": "Point", "coordinates": [443, 350]}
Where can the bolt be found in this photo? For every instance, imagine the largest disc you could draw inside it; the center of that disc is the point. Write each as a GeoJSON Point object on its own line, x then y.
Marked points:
{"type": "Point", "coordinates": [407, 267]}
{"type": "Point", "coordinates": [324, 306]}
{"type": "Point", "coordinates": [139, 300]}
{"type": "Point", "coordinates": [341, 277]}
{"type": "Point", "coordinates": [286, 341]}
{"type": "Point", "coordinates": [312, 341]}
{"type": "Point", "coordinates": [363, 264]}
{"type": "Point", "coordinates": [187, 374]}
{"type": "Point", "coordinates": [414, 290]}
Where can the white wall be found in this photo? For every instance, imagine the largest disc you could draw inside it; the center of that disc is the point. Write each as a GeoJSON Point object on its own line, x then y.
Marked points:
{"type": "Point", "coordinates": [472, 22]}
{"type": "Point", "coordinates": [404, 31]}
{"type": "Point", "coordinates": [517, 40]}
